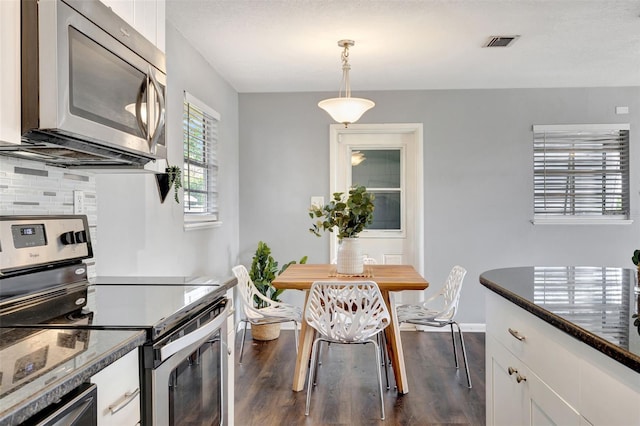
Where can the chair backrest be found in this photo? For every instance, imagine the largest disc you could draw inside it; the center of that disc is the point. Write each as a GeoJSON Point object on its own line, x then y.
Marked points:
{"type": "Point", "coordinates": [346, 311]}
{"type": "Point", "coordinates": [451, 292]}
{"type": "Point", "coordinates": [369, 260]}
{"type": "Point", "coordinates": [247, 292]}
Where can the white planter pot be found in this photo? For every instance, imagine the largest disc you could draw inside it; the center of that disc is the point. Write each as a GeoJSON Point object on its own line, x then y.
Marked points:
{"type": "Point", "coordinates": [350, 257]}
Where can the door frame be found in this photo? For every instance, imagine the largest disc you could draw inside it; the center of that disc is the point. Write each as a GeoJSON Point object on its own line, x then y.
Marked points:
{"type": "Point", "coordinates": [335, 132]}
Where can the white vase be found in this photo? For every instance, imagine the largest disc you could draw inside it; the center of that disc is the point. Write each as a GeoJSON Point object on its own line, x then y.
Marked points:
{"type": "Point", "coordinates": [350, 257]}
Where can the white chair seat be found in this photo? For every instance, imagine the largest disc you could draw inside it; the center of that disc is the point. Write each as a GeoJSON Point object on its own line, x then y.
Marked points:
{"type": "Point", "coordinates": [270, 313]}
{"type": "Point", "coordinates": [418, 314]}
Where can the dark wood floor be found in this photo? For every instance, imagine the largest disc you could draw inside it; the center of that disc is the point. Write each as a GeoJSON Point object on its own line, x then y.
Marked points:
{"type": "Point", "coordinates": [347, 385]}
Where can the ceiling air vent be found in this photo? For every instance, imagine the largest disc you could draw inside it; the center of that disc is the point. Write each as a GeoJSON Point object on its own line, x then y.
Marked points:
{"type": "Point", "coordinates": [501, 41]}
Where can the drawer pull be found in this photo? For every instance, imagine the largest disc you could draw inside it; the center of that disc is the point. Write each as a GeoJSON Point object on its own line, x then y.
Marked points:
{"type": "Point", "coordinates": [512, 370]}
{"type": "Point", "coordinates": [126, 400]}
{"type": "Point", "coordinates": [520, 378]}
{"type": "Point", "coordinates": [515, 334]}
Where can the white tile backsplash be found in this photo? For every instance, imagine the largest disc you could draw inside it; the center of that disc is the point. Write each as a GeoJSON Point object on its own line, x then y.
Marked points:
{"type": "Point", "coordinates": [32, 188]}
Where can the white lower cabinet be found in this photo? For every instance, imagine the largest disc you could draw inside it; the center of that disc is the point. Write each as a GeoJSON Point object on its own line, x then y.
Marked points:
{"type": "Point", "coordinates": [119, 392]}
{"type": "Point", "coordinates": [520, 397]}
{"type": "Point", "coordinates": [539, 375]}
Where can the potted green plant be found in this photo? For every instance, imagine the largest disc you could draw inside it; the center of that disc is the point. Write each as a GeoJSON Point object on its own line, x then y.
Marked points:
{"type": "Point", "coordinates": [264, 269]}
{"type": "Point", "coordinates": [172, 177]}
{"type": "Point", "coordinates": [347, 216]}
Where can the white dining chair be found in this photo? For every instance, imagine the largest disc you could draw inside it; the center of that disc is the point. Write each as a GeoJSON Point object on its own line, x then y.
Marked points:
{"type": "Point", "coordinates": [352, 312]}
{"type": "Point", "coordinates": [439, 311]}
{"type": "Point", "coordinates": [274, 312]}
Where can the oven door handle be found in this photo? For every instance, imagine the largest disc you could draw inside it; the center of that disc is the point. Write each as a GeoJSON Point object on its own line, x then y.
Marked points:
{"type": "Point", "coordinates": [195, 336]}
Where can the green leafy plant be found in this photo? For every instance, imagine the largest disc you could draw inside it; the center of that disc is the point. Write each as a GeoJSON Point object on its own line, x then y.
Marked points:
{"type": "Point", "coordinates": [350, 216]}
{"type": "Point", "coordinates": [175, 179]}
{"type": "Point", "coordinates": [264, 269]}
{"type": "Point", "coordinates": [636, 258]}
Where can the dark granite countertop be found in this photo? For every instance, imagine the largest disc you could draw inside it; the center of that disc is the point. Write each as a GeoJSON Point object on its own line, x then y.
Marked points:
{"type": "Point", "coordinates": [593, 304]}
{"type": "Point", "coordinates": [46, 364]}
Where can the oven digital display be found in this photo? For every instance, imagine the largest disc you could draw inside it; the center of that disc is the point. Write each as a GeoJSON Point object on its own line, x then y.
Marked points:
{"type": "Point", "coordinates": [32, 235]}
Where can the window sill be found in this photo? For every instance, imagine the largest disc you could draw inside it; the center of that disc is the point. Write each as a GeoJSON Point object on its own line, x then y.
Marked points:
{"type": "Point", "coordinates": [191, 225]}
{"type": "Point", "coordinates": [580, 221]}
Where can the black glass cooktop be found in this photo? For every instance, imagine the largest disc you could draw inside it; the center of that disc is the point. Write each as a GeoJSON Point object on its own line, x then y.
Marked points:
{"type": "Point", "coordinates": [154, 308]}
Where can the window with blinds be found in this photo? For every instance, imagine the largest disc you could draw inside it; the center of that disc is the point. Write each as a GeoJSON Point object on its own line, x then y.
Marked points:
{"type": "Point", "coordinates": [200, 173]}
{"type": "Point", "coordinates": [581, 171]}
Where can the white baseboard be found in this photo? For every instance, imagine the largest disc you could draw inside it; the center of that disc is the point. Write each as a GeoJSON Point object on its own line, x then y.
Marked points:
{"type": "Point", "coordinates": [466, 327]}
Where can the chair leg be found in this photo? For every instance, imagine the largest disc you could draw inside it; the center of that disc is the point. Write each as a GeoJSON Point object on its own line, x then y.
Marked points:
{"type": "Point", "coordinates": [244, 332]}
{"type": "Point", "coordinates": [464, 355]}
{"type": "Point", "coordinates": [318, 363]}
{"type": "Point", "coordinates": [377, 350]}
{"type": "Point", "coordinates": [453, 340]}
{"type": "Point", "coordinates": [295, 333]}
{"type": "Point", "coordinates": [312, 367]}
{"type": "Point", "coordinates": [382, 339]}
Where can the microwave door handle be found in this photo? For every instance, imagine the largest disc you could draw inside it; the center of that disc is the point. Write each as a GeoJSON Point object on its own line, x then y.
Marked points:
{"type": "Point", "coordinates": [141, 124]}
{"type": "Point", "coordinates": [160, 122]}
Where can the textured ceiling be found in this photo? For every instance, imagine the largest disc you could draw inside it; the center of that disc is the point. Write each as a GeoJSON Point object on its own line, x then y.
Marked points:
{"type": "Point", "coordinates": [291, 45]}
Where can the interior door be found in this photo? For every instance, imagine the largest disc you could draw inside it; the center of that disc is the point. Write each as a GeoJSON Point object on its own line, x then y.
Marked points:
{"type": "Point", "coordinates": [387, 159]}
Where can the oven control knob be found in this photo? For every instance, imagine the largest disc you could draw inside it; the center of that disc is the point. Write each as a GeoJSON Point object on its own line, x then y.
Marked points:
{"type": "Point", "coordinates": [68, 238]}
{"type": "Point", "coordinates": [81, 237]}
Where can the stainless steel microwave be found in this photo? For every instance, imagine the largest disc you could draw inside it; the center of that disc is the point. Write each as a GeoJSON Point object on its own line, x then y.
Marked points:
{"type": "Point", "coordinates": [93, 88]}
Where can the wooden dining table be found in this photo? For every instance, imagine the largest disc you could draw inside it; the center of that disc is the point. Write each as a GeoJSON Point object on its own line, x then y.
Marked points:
{"type": "Point", "coordinates": [390, 278]}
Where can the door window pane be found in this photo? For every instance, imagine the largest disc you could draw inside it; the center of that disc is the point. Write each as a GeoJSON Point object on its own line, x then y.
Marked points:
{"type": "Point", "coordinates": [380, 171]}
{"type": "Point", "coordinates": [376, 168]}
{"type": "Point", "coordinates": [387, 210]}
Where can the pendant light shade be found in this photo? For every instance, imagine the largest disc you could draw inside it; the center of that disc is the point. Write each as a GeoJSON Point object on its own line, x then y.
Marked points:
{"type": "Point", "coordinates": [345, 109]}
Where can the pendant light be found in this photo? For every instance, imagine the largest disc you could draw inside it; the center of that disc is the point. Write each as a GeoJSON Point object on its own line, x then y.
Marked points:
{"type": "Point", "coordinates": [345, 109]}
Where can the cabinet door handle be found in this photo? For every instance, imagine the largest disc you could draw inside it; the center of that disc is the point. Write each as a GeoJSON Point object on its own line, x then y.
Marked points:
{"type": "Point", "coordinates": [512, 370]}
{"type": "Point", "coordinates": [126, 400]}
{"type": "Point", "coordinates": [521, 378]}
{"type": "Point", "coordinates": [515, 334]}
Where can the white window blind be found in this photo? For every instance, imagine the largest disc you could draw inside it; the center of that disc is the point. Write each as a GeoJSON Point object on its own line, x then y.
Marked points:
{"type": "Point", "coordinates": [200, 175]}
{"type": "Point", "coordinates": [581, 171]}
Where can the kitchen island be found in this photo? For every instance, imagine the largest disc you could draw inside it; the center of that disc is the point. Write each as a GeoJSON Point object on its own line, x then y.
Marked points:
{"type": "Point", "coordinates": [561, 346]}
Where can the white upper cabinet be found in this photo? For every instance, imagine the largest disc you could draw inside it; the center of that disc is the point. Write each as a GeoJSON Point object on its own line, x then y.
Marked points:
{"type": "Point", "coordinates": [146, 16]}
{"type": "Point", "coordinates": [10, 65]}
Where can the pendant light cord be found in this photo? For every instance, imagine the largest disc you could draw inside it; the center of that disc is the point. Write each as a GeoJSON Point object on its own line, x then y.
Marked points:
{"type": "Point", "coordinates": [345, 73]}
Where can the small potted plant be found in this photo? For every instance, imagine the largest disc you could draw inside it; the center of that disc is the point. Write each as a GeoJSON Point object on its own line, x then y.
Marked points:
{"type": "Point", "coordinates": [264, 269]}
{"type": "Point", "coordinates": [348, 216]}
{"type": "Point", "coordinates": [172, 176]}
{"type": "Point", "coordinates": [636, 261]}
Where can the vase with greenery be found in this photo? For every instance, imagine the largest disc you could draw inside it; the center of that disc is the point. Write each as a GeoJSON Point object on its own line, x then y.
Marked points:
{"type": "Point", "coordinates": [347, 216]}
{"type": "Point", "coordinates": [265, 269]}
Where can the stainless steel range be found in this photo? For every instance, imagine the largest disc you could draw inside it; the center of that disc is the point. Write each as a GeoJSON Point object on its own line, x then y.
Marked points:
{"type": "Point", "coordinates": [43, 282]}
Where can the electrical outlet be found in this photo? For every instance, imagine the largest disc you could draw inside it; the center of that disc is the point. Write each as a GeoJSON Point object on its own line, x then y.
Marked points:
{"type": "Point", "coordinates": [78, 202]}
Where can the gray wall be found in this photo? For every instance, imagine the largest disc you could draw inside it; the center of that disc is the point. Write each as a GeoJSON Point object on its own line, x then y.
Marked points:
{"type": "Point", "coordinates": [478, 178]}
{"type": "Point", "coordinates": [140, 236]}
